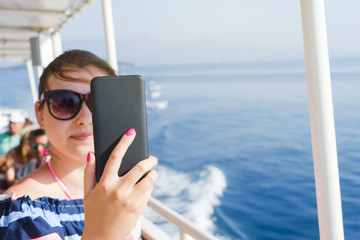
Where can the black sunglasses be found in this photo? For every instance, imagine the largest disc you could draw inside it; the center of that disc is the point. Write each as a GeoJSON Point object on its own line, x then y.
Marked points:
{"type": "Point", "coordinates": [65, 104]}
{"type": "Point", "coordinates": [35, 145]}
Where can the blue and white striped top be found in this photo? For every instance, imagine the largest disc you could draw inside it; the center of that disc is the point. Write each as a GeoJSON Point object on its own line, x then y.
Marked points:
{"type": "Point", "coordinates": [43, 218]}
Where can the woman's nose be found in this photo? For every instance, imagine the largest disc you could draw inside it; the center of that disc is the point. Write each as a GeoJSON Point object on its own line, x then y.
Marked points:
{"type": "Point", "coordinates": [84, 117]}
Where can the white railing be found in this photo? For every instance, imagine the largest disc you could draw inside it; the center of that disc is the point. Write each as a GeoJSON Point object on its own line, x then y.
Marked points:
{"type": "Point", "coordinates": [187, 230]}
{"type": "Point", "coordinates": [322, 120]}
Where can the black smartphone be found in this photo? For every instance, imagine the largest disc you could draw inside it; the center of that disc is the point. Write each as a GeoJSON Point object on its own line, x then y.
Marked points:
{"type": "Point", "coordinates": [118, 104]}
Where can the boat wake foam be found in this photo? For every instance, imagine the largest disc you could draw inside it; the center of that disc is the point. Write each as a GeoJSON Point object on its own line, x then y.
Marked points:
{"type": "Point", "coordinates": [153, 97]}
{"type": "Point", "coordinates": [193, 195]}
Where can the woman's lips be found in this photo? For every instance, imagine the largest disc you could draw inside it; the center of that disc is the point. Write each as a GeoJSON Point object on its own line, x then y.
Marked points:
{"type": "Point", "coordinates": [82, 136]}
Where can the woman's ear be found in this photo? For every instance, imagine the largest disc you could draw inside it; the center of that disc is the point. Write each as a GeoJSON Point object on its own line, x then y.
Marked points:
{"type": "Point", "coordinates": [39, 114]}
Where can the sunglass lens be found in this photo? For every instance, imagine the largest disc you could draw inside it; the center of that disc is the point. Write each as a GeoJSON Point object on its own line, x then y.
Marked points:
{"type": "Point", "coordinates": [88, 103]}
{"type": "Point", "coordinates": [64, 105]}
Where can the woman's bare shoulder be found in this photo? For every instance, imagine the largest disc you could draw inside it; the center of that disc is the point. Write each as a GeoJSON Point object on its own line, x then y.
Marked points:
{"type": "Point", "coordinates": [36, 184]}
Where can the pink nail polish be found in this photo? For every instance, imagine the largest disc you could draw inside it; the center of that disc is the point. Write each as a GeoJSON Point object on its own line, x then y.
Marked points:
{"type": "Point", "coordinates": [157, 160]}
{"type": "Point", "coordinates": [88, 157]}
{"type": "Point", "coordinates": [130, 132]}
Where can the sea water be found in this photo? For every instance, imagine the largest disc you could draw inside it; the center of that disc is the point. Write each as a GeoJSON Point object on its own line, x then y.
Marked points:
{"type": "Point", "coordinates": [234, 144]}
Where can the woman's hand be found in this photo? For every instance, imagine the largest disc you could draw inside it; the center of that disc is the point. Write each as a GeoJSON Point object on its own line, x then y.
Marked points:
{"type": "Point", "coordinates": [114, 205]}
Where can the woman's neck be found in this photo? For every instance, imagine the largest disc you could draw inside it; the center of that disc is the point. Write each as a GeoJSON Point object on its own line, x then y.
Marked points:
{"type": "Point", "coordinates": [70, 172]}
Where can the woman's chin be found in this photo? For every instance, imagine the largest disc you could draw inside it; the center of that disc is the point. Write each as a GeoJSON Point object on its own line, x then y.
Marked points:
{"type": "Point", "coordinates": [81, 152]}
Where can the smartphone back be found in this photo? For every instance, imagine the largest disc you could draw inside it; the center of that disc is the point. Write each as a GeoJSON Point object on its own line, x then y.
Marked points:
{"type": "Point", "coordinates": [118, 104]}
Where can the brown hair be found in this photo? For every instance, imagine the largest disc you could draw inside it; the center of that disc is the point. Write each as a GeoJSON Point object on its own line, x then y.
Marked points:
{"type": "Point", "coordinates": [23, 148]}
{"type": "Point", "coordinates": [36, 133]}
{"type": "Point", "coordinates": [70, 61]}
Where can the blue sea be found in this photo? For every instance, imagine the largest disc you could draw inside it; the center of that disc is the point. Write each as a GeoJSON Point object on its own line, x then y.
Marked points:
{"type": "Point", "coordinates": [234, 144]}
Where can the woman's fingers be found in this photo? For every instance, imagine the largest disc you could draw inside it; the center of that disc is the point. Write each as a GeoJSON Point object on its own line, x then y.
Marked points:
{"type": "Point", "coordinates": [112, 166]}
{"type": "Point", "coordinates": [137, 172]}
{"type": "Point", "coordinates": [89, 175]}
{"type": "Point", "coordinates": [147, 183]}
{"type": "Point", "coordinates": [131, 178]}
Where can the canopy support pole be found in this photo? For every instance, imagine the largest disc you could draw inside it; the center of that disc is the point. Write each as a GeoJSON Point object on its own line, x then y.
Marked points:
{"type": "Point", "coordinates": [109, 34]}
{"type": "Point", "coordinates": [30, 71]}
{"type": "Point", "coordinates": [322, 120]}
{"type": "Point", "coordinates": [39, 70]}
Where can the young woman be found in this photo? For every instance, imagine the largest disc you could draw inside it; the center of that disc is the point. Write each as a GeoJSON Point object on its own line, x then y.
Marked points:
{"type": "Point", "coordinates": [61, 199]}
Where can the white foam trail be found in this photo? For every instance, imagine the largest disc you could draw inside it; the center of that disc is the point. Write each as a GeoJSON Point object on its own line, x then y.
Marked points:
{"type": "Point", "coordinates": [153, 92]}
{"type": "Point", "coordinates": [212, 184]}
{"type": "Point", "coordinates": [194, 195]}
{"type": "Point", "coordinates": [156, 94]}
{"type": "Point", "coordinates": [154, 86]}
{"type": "Point", "coordinates": [161, 105]}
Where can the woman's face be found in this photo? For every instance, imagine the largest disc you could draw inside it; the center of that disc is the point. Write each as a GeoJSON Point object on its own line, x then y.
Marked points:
{"type": "Point", "coordinates": [70, 139]}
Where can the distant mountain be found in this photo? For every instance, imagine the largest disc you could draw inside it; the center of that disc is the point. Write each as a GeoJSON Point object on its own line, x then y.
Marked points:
{"type": "Point", "coordinates": [146, 50]}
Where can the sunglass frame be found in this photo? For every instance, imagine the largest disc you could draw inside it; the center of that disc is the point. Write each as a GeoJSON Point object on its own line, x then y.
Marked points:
{"type": "Point", "coordinates": [83, 97]}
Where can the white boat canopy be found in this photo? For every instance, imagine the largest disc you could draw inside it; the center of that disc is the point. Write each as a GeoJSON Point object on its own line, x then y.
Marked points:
{"type": "Point", "coordinates": [22, 20]}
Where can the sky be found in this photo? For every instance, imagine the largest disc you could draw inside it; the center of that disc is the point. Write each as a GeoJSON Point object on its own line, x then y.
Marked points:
{"type": "Point", "coordinates": [210, 31]}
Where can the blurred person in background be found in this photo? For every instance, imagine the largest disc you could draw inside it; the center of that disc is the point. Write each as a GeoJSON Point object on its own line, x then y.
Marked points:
{"type": "Point", "coordinates": [26, 157]}
{"type": "Point", "coordinates": [29, 125]}
{"type": "Point", "coordinates": [9, 140]}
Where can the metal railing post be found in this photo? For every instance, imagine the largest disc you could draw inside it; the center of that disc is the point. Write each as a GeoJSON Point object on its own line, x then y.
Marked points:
{"type": "Point", "coordinates": [30, 72]}
{"type": "Point", "coordinates": [109, 34]}
{"type": "Point", "coordinates": [186, 228]}
{"type": "Point", "coordinates": [322, 120]}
